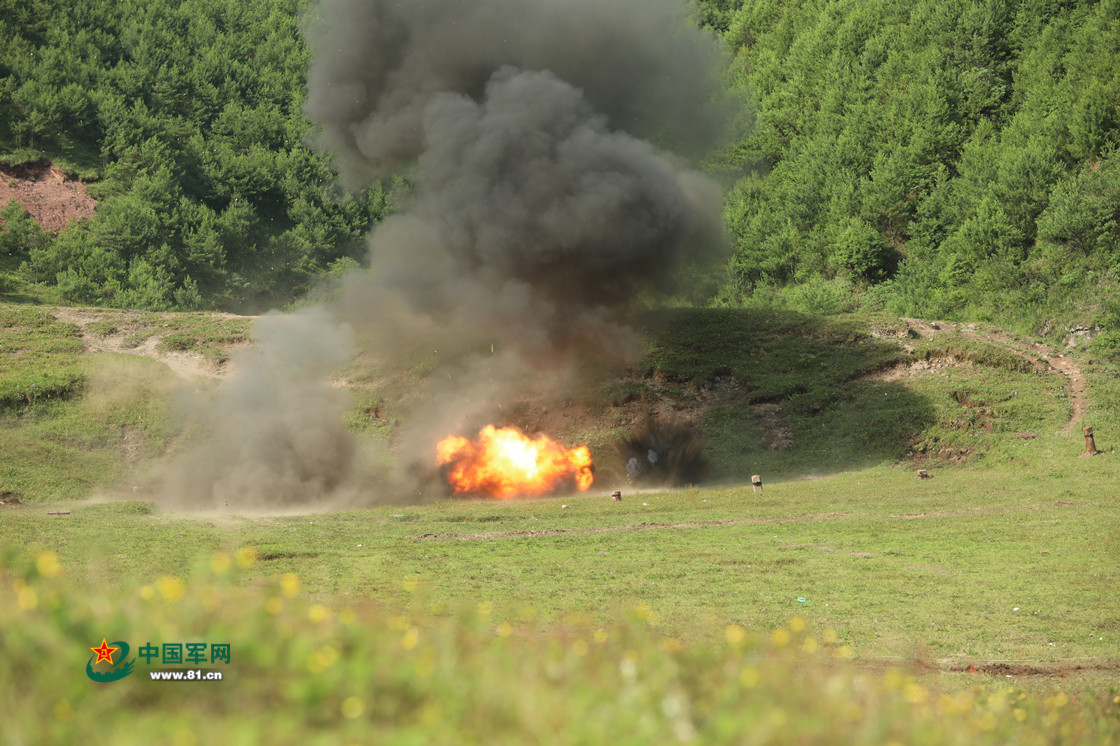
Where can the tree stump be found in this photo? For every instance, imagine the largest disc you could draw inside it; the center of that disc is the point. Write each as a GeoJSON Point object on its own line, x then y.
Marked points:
{"type": "Point", "coordinates": [1090, 444]}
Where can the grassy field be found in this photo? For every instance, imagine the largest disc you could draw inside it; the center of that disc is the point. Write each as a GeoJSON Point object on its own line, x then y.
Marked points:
{"type": "Point", "coordinates": [849, 602]}
{"type": "Point", "coordinates": [979, 567]}
{"type": "Point", "coordinates": [714, 616]}
{"type": "Point", "coordinates": [305, 672]}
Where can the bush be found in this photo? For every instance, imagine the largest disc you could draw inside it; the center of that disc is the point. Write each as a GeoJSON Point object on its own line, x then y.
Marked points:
{"type": "Point", "coordinates": [861, 251]}
{"type": "Point", "coordinates": [820, 296]}
{"type": "Point", "coordinates": [21, 235]}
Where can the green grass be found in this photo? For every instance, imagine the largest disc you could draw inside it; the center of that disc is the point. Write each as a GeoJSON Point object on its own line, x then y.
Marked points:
{"type": "Point", "coordinates": [668, 616]}
{"type": "Point", "coordinates": [39, 357]}
{"type": "Point", "coordinates": [901, 568]}
{"type": "Point", "coordinates": [210, 335]}
{"type": "Point", "coordinates": [1103, 376]}
{"type": "Point", "coordinates": [808, 394]}
{"type": "Point", "coordinates": [582, 620]}
{"type": "Point", "coordinates": [775, 354]}
{"type": "Point", "coordinates": [72, 423]}
{"type": "Point", "coordinates": [301, 672]}
{"type": "Point", "coordinates": [57, 449]}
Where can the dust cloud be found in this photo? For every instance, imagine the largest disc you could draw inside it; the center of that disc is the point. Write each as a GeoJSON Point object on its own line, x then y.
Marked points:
{"type": "Point", "coordinates": [273, 435]}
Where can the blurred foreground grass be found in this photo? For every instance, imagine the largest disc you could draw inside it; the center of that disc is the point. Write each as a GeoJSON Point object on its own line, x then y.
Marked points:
{"type": "Point", "coordinates": [306, 672]}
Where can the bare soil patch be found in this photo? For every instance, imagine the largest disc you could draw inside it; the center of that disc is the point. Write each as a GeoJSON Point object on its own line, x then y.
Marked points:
{"type": "Point", "coordinates": [1049, 670]}
{"type": "Point", "coordinates": [1001, 669]}
{"type": "Point", "coordinates": [778, 434]}
{"type": "Point", "coordinates": [50, 197]}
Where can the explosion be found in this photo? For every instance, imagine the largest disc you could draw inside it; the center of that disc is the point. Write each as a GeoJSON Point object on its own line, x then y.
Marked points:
{"type": "Point", "coordinates": [505, 463]}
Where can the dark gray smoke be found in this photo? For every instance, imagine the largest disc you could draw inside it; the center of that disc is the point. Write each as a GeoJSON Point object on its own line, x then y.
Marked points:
{"type": "Point", "coordinates": [530, 215]}
{"type": "Point", "coordinates": [379, 63]}
{"type": "Point", "coordinates": [538, 211]}
{"type": "Point", "coordinates": [537, 137]}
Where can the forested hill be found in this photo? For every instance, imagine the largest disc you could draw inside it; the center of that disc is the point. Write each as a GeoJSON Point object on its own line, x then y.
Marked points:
{"type": "Point", "coordinates": [187, 114]}
{"type": "Point", "coordinates": [958, 157]}
{"type": "Point", "coordinates": [938, 157]}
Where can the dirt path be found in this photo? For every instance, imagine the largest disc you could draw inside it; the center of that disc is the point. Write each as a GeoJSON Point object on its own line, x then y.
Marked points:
{"type": "Point", "coordinates": [1037, 353]}
{"type": "Point", "coordinates": [189, 366]}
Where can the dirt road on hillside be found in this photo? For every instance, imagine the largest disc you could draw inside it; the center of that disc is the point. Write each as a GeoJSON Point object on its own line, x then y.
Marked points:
{"type": "Point", "coordinates": [1037, 353]}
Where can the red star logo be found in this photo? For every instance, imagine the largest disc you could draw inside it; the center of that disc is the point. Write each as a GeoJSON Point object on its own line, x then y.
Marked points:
{"type": "Point", "coordinates": [105, 652]}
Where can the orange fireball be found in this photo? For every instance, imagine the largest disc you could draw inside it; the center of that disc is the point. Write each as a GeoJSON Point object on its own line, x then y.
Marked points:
{"type": "Point", "coordinates": [505, 463]}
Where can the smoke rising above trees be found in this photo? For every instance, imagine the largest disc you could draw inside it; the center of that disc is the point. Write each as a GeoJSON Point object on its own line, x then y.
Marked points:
{"type": "Point", "coordinates": [538, 208]}
{"type": "Point", "coordinates": [376, 66]}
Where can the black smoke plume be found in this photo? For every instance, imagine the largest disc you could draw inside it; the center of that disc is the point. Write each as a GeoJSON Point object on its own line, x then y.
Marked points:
{"type": "Point", "coordinates": [538, 211]}
{"type": "Point", "coordinates": [544, 143]}
{"type": "Point", "coordinates": [379, 63]}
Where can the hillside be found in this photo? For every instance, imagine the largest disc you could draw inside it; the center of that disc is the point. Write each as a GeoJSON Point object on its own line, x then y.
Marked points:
{"type": "Point", "coordinates": [933, 160]}
{"type": "Point", "coordinates": [92, 399]}
{"type": "Point", "coordinates": [207, 194]}
{"type": "Point", "coordinates": [953, 159]}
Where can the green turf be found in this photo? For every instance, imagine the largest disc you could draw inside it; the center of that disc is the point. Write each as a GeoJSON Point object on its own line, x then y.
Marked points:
{"type": "Point", "coordinates": [304, 672]}
{"type": "Point", "coordinates": [900, 567]}
{"type": "Point", "coordinates": [712, 614]}
{"type": "Point", "coordinates": [72, 423]}
{"type": "Point", "coordinates": [518, 622]}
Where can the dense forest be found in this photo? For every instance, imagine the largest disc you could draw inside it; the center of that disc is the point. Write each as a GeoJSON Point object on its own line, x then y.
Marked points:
{"type": "Point", "coordinates": [188, 118]}
{"type": "Point", "coordinates": [942, 158]}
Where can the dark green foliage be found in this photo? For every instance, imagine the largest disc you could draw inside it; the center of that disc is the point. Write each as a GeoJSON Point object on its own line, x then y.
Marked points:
{"type": "Point", "coordinates": [188, 116]}
{"type": "Point", "coordinates": [957, 157]}
{"type": "Point", "coordinates": [716, 14]}
{"type": "Point", "coordinates": [19, 234]}
{"type": "Point", "coordinates": [957, 152]}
